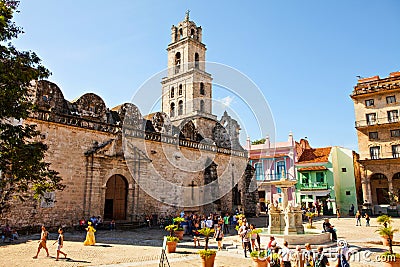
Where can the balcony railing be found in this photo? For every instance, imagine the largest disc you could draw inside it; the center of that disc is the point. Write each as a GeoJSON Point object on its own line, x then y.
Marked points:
{"type": "Point", "coordinates": [377, 121]}
{"type": "Point", "coordinates": [314, 186]}
{"type": "Point", "coordinates": [273, 177]}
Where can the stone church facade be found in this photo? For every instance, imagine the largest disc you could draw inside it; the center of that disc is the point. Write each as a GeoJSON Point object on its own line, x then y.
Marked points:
{"type": "Point", "coordinates": [122, 165]}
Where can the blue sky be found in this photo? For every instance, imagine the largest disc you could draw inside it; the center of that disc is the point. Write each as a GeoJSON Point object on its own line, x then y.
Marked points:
{"type": "Point", "coordinates": [303, 55]}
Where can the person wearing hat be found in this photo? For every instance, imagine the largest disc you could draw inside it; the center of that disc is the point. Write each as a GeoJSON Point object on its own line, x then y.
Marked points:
{"type": "Point", "coordinates": [90, 238]}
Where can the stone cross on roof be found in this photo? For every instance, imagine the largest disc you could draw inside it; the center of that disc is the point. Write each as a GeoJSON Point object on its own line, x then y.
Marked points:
{"type": "Point", "coordinates": [187, 15]}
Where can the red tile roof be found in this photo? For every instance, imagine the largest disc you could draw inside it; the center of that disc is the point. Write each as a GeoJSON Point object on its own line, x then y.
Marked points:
{"type": "Point", "coordinates": [313, 168]}
{"type": "Point", "coordinates": [313, 155]}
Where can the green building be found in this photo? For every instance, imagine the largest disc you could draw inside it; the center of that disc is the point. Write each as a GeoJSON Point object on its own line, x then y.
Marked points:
{"type": "Point", "coordinates": [325, 176]}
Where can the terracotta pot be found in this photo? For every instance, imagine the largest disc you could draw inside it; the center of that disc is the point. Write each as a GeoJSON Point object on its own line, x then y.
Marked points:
{"type": "Point", "coordinates": [259, 263]}
{"type": "Point", "coordinates": [385, 240]}
{"type": "Point", "coordinates": [208, 262]}
{"type": "Point", "coordinates": [179, 234]}
{"type": "Point", "coordinates": [171, 246]}
{"type": "Point", "coordinates": [392, 263]}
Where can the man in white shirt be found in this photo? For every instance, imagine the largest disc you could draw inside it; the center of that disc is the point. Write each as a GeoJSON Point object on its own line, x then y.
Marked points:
{"type": "Point", "coordinates": [286, 255]}
{"type": "Point", "coordinates": [209, 223]}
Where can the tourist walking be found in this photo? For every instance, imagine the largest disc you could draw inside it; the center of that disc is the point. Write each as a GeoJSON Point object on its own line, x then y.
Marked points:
{"type": "Point", "coordinates": [253, 236]}
{"type": "Point", "coordinates": [286, 254]}
{"type": "Point", "coordinates": [90, 238]}
{"type": "Point", "coordinates": [218, 235]}
{"type": "Point", "coordinates": [320, 259]}
{"type": "Point", "coordinates": [226, 223]}
{"type": "Point", "coordinates": [42, 242]}
{"type": "Point", "coordinates": [297, 257]}
{"type": "Point", "coordinates": [358, 218]}
{"type": "Point", "coordinates": [275, 259]}
{"type": "Point", "coordinates": [308, 256]}
{"type": "Point", "coordinates": [60, 241]}
{"type": "Point", "coordinates": [246, 240]}
{"type": "Point", "coordinates": [367, 219]}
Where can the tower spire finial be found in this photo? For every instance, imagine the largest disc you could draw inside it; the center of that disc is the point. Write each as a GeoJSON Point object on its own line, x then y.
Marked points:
{"type": "Point", "coordinates": [187, 15]}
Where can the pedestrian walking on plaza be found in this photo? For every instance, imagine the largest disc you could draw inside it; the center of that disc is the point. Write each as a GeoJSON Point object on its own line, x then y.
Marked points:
{"type": "Point", "coordinates": [90, 238]}
{"type": "Point", "coordinates": [218, 235]}
{"type": "Point", "coordinates": [297, 257]}
{"type": "Point", "coordinates": [338, 213]}
{"type": "Point", "coordinates": [60, 241]}
{"type": "Point", "coordinates": [42, 242]}
{"type": "Point", "coordinates": [367, 219]}
{"type": "Point", "coordinates": [253, 236]}
{"type": "Point", "coordinates": [226, 224]}
{"type": "Point", "coordinates": [246, 240]}
{"type": "Point", "coordinates": [275, 259]}
{"type": "Point", "coordinates": [321, 260]}
{"type": "Point", "coordinates": [358, 218]}
{"type": "Point", "coordinates": [286, 254]}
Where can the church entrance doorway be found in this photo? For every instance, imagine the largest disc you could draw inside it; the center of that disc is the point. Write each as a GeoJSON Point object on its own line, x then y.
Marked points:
{"type": "Point", "coordinates": [115, 200]}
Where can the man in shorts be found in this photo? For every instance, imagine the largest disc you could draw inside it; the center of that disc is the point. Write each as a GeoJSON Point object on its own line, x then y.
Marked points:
{"type": "Point", "coordinates": [42, 242]}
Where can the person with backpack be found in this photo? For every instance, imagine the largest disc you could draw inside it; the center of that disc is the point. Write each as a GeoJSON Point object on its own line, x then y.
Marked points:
{"type": "Point", "coordinates": [286, 254]}
{"type": "Point", "coordinates": [275, 259]}
{"type": "Point", "coordinates": [308, 256]}
{"type": "Point", "coordinates": [321, 260]}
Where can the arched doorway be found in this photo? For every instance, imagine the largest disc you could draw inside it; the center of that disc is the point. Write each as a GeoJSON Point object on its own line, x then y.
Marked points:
{"type": "Point", "coordinates": [380, 186]}
{"type": "Point", "coordinates": [115, 200]}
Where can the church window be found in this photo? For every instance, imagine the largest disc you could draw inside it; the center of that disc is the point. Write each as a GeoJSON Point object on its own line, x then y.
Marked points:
{"type": "Point", "coordinates": [177, 62]}
{"type": "Point", "coordinates": [180, 90]}
{"type": "Point", "coordinates": [172, 110]}
{"type": "Point", "coordinates": [202, 105]}
{"type": "Point", "coordinates": [196, 60]}
{"type": "Point", "coordinates": [172, 94]}
{"type": "Point", "coordinates": [180, 107]}
{"type": "Point", "coordinates": [180, 33]}
{"type": "Point", "coordinates": [202, 92]}
{"type": "Point", "coordinates": [192, 33]}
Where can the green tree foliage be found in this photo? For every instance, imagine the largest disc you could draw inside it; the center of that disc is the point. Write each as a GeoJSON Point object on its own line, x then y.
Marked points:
{"type": "Point", "coordinates": [22, 169]}
{"type": "Point", "coordinates": [258, 142]}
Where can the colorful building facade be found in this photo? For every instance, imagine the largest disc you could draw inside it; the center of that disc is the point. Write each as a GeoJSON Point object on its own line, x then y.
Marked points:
{"type": "Point", "coordinates": [325, 176]}
{"type": "Point", "coordinates": [272, 162]}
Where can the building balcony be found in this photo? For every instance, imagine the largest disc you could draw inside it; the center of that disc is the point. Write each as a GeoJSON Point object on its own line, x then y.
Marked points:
{"type": "Point", "coordinates": [314, 186]}
{"type": "Point", "coordinates": [378, 121]}
{"type": "Point", "coordinates": [273, 177]}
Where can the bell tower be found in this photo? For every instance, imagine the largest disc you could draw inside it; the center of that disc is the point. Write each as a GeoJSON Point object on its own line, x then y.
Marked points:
{"type": "Point", "coordinates": [187, 89]}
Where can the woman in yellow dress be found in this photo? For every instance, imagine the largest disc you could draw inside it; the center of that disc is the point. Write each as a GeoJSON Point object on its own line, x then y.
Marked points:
{"type": "Point", "coordinates": [90, 239]}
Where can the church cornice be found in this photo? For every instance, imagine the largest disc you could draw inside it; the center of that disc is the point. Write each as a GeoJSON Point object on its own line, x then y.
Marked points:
{"type": "Point", "coordinates": [186, 73]}
{"type": "Point", "coordinates": [184, 41]}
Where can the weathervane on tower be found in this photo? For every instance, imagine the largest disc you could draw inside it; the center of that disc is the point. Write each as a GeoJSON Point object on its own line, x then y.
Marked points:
{"type": "Point", "coordinates": [187, 15]}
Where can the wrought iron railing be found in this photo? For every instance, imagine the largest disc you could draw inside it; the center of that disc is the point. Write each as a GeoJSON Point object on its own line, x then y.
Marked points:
{"type": "Point", "coordinates": [376, 121]}
{"type": "Point", "coordinates": [314, 186]}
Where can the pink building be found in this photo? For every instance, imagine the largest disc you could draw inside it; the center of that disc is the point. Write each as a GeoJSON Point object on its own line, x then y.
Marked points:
{"type": "Point", "coordinates": [273, 161]}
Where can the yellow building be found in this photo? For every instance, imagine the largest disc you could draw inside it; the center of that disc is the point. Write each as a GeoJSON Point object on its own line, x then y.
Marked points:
{"type": "Point", "coordinates": [376, 106]}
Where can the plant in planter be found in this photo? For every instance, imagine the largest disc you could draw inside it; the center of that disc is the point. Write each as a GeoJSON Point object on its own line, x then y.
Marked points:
{"type": "Point", "coordinates": [389, 258]}
{"type": "Point", "coordinates": [207, 255]}
{"type": "Point", "coordinates": [259, 258]}
{"type": "Point", "coordinates": [385, 220]}
{"type": "Point", "coordinates": [179, 230]}
{"type": "Point", "coordinates": [310, 216]}
{"type": "Point", "coordinates": [171, 239]}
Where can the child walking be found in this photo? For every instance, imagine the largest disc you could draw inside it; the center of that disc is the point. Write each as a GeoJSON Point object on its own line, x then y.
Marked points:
{"type": "Point", "coordinates": [60, 241]}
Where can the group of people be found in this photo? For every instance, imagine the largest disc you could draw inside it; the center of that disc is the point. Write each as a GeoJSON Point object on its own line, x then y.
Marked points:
{"type": "Point", "coordinates": [303, 257]}
{"type": "Point", "coordinates": [7, 233]}
{"type": "Point", "coordinates": [44, 235]}
{"type": "Point", "coordinates": [358, 217]}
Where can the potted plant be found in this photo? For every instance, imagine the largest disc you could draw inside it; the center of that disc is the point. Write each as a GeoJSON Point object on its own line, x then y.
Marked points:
{"type": "Point", "coordinates": [310, 216]}
{"type": "Point", "coordinates": [389, 258]}
{"type": "Point", "coordinates": [259, 258]}
{"type": "Point", "coordinates": [172, 241]}
{"type": "Point", "coordinates": [385, 220]}
{"type": "Point", "coordinates": [207, 255]}
{"type": "Point", "coordinates": [179, 230]}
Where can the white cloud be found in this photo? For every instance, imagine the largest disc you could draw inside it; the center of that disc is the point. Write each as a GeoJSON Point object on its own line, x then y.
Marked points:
{"type": "Point", "coordinates": [227, 101]}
